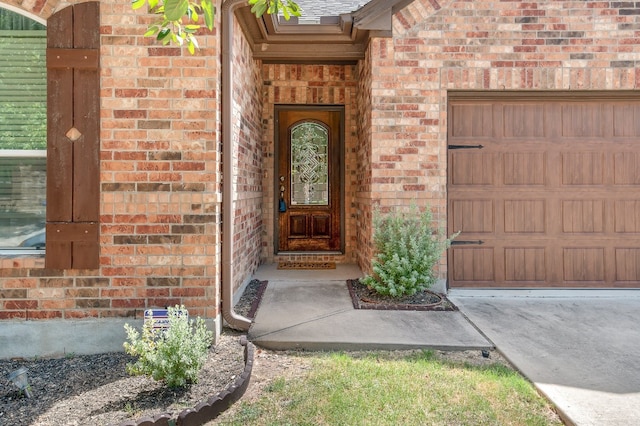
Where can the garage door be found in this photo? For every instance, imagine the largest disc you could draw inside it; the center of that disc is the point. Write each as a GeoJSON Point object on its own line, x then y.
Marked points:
{"type": "Point", "coordinates": [545, 189]}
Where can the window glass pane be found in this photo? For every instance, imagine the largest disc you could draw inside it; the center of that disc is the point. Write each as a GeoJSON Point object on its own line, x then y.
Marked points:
{"type": "Point", "coordinates": [23, 131]}
{"type": "Point", "coordinates": [309, 165]}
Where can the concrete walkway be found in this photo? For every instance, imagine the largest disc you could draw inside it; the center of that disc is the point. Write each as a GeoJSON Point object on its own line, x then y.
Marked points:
{"type": "Point", "coordinates": [312, 310]}
{"type": "Point", "coordinates": [579, 348]}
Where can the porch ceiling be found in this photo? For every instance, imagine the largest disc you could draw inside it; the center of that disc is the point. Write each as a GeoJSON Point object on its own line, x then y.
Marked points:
{"type": "Point", "coordinates": [335, 39]}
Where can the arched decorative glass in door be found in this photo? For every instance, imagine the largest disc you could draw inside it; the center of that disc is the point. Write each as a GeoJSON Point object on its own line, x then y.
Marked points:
{"type": "Point", "coordinates": [309, 164]}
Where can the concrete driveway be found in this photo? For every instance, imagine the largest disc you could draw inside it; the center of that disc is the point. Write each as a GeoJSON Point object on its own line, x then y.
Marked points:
{"type": "Point", "coordinates": [580, 348]}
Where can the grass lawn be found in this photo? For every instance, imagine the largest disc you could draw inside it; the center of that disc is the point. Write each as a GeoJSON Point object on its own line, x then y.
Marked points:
{"type": "Point", "coordinates": [382, 389]}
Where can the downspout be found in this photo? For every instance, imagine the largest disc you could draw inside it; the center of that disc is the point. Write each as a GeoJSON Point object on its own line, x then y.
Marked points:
{"type": "Point", "coordinates": [234, 320]}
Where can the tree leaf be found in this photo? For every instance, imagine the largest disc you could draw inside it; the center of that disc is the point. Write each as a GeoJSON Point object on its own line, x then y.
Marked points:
{"type": "Point", "coordinates": [195, 42]}
{"type": "Point", "coordinates": [152, 30]}
{"type": "Point", "coordinates": [137, 4]}
{"type": "Point", "coordinates": [258, 9]}
{"type": "Point", "coordinates": [273, 7]}
{"type": "Point", "coordinates": [194, 15]}
{"type": "Point", "coordinates": [163, 33]}
{"type": "Point", "coordinates": [209, 12]}
{"type": "Point", "coordinates": [174, 10]}
{"type": "Point", "coordinates": [293, 8]}
{"type": "Point", "coordinates": [177, 38]}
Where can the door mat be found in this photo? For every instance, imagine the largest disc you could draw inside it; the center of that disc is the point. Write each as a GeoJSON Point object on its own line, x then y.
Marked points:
{"type": "Point", "coordinates": [306, 265]}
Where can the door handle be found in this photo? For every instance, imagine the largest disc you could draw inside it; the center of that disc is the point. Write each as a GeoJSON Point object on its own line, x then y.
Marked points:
{"type": "Point", "coordinates": [282, 205]}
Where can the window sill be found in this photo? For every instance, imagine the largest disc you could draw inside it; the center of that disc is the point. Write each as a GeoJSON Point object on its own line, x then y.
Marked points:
{"type": "Point", "coordinates": [11, 253]}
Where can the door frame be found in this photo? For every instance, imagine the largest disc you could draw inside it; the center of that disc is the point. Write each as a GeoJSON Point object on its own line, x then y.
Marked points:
{"type": "Point", "coordinates": [276, 184]}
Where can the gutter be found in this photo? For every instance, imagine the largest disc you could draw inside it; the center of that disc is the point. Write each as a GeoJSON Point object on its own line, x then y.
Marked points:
{"type": "Point", "coordinates": [234, 320]}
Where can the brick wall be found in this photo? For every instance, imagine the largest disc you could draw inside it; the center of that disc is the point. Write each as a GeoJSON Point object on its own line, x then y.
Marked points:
{"type": "Point", "coordinates": [311, 85]}
{"type": "Point", "coordinates": [248, 155]}
{"type": "Point", "coordinates": [160, 184]}
{"type": "Point", "coordinates": [363, 182]}
{"type": "Point", "coordinates": [160, 156]}
{"type": "Point", "coordinates": [482, 45]}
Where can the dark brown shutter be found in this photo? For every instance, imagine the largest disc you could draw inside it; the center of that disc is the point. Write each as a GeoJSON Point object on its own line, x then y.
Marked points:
{"type": "Point", "coordinates": [73, 141]}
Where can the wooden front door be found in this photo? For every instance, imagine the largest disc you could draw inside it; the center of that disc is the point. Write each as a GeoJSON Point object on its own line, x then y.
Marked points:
{"type": "Point", "coordinates": [308, 179]}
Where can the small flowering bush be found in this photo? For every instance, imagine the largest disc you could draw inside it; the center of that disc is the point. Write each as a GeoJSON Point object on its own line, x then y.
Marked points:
{"type": "Point", "coordinates": [407, 249]}
{"type": "Point", "coordinates": [175, 355]}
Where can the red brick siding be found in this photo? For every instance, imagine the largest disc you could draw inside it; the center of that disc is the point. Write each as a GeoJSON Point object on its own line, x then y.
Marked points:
{"type": "Point", "coordinates": [363, 180]}
{"type": "Point", "coordinates": [247, 135]}
{"type": "Point", "coordinates": [160, 184]}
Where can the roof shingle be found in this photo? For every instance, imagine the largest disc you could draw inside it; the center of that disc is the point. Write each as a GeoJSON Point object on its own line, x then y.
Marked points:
{"type": "Point", "coordinates": [312, 10]}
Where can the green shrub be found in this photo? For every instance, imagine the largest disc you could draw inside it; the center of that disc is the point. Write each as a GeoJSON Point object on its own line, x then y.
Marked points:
{"type": "Point", "coordinates": [175, 355]}
{"type": "Point", "coordinates": [407, 249]}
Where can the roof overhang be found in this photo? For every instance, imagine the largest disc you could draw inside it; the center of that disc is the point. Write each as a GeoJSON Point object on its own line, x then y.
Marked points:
{"type": "Point", "coordinates": [336, 39]}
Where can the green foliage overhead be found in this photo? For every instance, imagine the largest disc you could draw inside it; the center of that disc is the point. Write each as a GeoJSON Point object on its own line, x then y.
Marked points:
{"type": "Point", "coordinates": [407, 250]}
{"type": "Point", "coordinates": [179, 20]}
{"type": "Point", "coordinates": [175, 355]}
{"type": "Point", "coordinates": [271, 7]}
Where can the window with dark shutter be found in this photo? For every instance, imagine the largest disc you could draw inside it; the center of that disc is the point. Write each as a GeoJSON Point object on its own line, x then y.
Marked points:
{"type": "Point", "coordinates": [73, 132]}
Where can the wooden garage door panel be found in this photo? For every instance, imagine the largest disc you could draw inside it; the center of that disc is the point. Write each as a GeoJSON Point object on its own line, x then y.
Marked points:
{"type": "Point", "coordinates": [524, 216]}
{"type": "Point", "coordinates": [628, 264]}
{"type": "Point", "coordinates": [473, 216]}
{"type": "Point", "coordinates": [524, 168]}
{"type": "Point", "coordinates": [525, 264]}
{"type": "Point", "coordinates": [627, 216]}
{"type": "Point", "coordinates": [627, 168]}
{"type": "Point", "coordinates": [524, 121]}
{"type": "Point", "coordinates": [472, 120]}
{"type": "Point", "coordinates": [583, 120]}
{"type": "Point", "coordinates": [474, 168]}
{"type": "Point", "coordinates": [582, 216]}
{"type": "Point", "coordinates": [582, 168]}
{"type": "Point", "coordinates": [583, 264]}
{"type": "Point", "coordinates": [474, 265]}
{"type": "Point", "coordinates": [553, 195]}
{"type": "Point", "coordinates": [626, 119]}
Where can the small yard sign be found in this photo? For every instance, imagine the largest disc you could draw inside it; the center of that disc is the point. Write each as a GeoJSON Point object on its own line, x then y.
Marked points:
{"type": "Point", "coordinates": [159, 318]}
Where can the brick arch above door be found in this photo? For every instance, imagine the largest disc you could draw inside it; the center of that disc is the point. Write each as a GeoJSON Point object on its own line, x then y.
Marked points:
{"type": "Point", "coordinates": [39, 9]}
{"type": "Point", "coordinates": [417, 12]}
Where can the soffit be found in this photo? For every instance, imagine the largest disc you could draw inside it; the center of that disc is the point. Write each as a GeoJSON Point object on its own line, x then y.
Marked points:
{"type": "Point", "coordinates": [330, 39]}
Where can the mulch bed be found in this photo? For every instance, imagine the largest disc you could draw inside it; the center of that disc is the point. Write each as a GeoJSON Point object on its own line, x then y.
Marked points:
{"type": "Point", "coordinates": [364, 297]}
{"type": "Point", "coordinates": [249, 302]}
